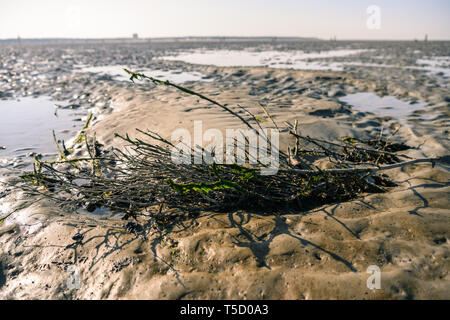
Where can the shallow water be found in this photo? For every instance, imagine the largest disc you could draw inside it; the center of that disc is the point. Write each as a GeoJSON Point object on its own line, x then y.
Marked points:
{"type": "Point", "coordinates": [175, 76]}
{"type": "Point", "coordinates": [26, 126]}
{"type": "Point", "coordinates": [274, 59]}
{"type": "Point", "coordinates": [383, 106]}
{"type": "Point", "coordinates": [435, 65]}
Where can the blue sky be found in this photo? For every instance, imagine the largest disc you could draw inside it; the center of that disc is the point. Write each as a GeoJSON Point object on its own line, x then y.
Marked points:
{"type": "Point", "coordinates": [345, 19]}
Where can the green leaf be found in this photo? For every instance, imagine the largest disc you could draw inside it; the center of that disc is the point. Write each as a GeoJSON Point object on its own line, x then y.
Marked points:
{"type": "Point", "coordinates": [349, 140]}
{"type": "Point", "coordinates": [205, 187]}
{"type": "Point", "coordinates": [260, 119]}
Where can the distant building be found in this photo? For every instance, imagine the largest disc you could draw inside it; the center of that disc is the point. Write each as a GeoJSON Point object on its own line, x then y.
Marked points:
{"type": "Point", "coordinates": [135, 36]}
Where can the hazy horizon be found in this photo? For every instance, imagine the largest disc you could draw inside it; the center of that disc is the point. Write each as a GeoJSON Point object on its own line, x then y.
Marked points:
{"type": "Point", "coordinates": [322, 19]}
{"type": "Point", "coordinates": [205, 37]}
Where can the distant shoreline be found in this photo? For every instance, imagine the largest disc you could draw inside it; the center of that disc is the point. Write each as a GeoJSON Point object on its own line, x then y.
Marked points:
{"type": "Point", "coordinates": [196, 39]}
{"type": "Point", "coordinates": [161, 39]}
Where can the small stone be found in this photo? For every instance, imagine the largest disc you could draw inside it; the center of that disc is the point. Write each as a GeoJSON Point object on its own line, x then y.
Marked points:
{"type": "Point", "coordinates": [335, 93]}
{"type": "Point", "coordinates": [78, 237]}
{"type": "Point", "coordinates": [90, 207]}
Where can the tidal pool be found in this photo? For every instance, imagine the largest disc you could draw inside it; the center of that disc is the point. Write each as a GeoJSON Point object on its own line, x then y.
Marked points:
{"type": "Point", "coordinates": [383, 106]}
{"type": "Point", "coordinates": [26, 126]}
{"type": "Point", "coordinates": [270, 58]}
{"type": "Point", "coordinates": [175, 76]}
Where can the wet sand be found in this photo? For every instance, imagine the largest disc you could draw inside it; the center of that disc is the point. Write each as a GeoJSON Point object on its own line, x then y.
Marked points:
{"type": "Point", "coordinates": [320, 254]}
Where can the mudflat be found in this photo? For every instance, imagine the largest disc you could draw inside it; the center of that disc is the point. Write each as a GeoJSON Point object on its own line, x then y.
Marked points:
{"type": "Point", "coordinates": [323, 253]}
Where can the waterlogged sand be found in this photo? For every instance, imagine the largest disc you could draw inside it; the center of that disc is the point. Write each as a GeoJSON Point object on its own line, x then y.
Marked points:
{"type": "Point", "coordinates": [319, 254]}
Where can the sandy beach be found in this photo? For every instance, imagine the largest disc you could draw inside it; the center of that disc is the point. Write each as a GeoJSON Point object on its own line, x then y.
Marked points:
{"type": "Point", "coordinates": [323, 253]}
